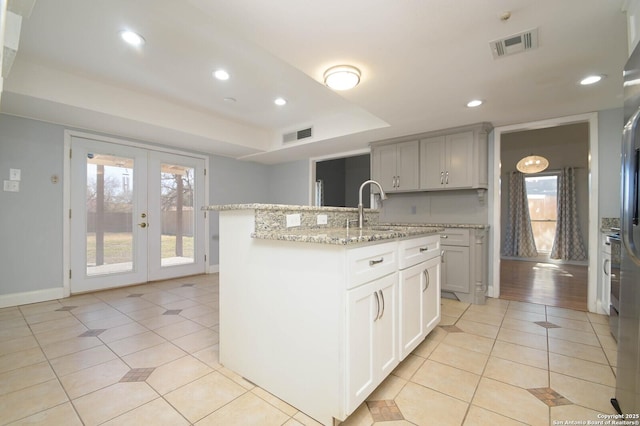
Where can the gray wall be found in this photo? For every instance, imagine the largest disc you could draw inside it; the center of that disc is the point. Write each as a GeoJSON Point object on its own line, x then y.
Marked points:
{"type": "Point", "coordinates": [31, 220]}
{"type": "Point", "coordinates": [610, 123]}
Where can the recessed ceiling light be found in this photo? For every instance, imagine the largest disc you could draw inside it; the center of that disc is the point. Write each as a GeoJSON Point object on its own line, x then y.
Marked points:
{"type": "Point", "coordinates": [132, 38]}
{"type": "Point", "coordinates": [474, 103]}
{"type": "Point", "coordinates": [221, 75]}
{"type": "Point", "coordinates": [342, 77]}
{"type": "Point", "coordinates": [280, 101]}
{"type": "Point", "coordinates": [592, 79]}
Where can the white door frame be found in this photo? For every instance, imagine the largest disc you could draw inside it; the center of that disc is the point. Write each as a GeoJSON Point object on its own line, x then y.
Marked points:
{"type": "Point", "coordinates": [494, 200]}
{"type": "Point", "coordinates": [66, 204]}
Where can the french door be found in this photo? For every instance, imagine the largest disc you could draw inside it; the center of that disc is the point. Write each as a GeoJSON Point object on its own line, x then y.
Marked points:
{"type": "Point", "coordinates": [135, 215]}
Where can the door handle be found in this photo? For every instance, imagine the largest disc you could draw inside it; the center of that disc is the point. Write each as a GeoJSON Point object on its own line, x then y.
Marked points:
{"type": "Point", "coordinates": [377, 307]}
{"type": "Point", "coordinates": [143, 225]}
{"type": "Point", "coordinates": [446, 179]}
{"type": "Point", "coordinates": [426, 278]}
{"type": "Point", "coordinates": [441, 178]}
{"type": "Point", "coordinates": [382, 297]}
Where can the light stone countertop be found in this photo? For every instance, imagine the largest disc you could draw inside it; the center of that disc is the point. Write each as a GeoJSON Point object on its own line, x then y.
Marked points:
{"type": "Point", "coordinates": [344, 236]}
{"type": "Point", "coordinates": [270, 224]}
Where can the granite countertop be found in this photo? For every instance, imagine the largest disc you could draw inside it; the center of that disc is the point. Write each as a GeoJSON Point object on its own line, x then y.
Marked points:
{"type": "Point", "coordinates": [344, 236]}
{"type": "Point", "coordinates": [439, 225]}
{"type": "Point", "coordinates": [281, 207]}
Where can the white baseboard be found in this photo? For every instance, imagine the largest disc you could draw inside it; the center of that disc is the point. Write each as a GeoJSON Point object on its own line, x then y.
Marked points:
{"type": "Point", "coordinates": [28, 297]}
{"type": "Point", "coordinates": [213, 269]}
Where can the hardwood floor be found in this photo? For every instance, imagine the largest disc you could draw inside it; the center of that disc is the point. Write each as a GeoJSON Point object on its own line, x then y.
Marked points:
{"type": "Point", "coordinates": [551, 284]}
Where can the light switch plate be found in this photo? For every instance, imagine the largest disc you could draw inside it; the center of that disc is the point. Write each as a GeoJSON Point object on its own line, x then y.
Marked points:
{"type": "Point", "coordinates": [293, 220]}
{"type": "Point", "coordinates": [12, 186]}
{"type": "Point", "coordinates": [14, 174]}
{"type": "Point", "coordinates": [322, 219]}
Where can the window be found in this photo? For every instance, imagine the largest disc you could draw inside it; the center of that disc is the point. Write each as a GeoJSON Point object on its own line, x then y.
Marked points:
{"type": "Point", "coordinates": [542, 196]}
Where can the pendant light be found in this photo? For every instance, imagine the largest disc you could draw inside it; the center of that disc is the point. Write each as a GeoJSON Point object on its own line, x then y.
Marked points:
{"type": "Point", "coordinates": [532, 164]}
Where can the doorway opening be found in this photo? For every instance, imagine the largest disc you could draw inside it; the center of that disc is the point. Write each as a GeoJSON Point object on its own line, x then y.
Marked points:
{"type": "Point", "coordinates": [337, 180]}
{"type": "Point", "coordinates": [566, 142]}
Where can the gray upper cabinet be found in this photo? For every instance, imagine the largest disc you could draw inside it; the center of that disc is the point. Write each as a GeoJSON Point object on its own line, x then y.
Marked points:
{"type": "Point", "coordinates": [396, 166]}
{"type": "Point", "coordinates": [441, 160]}
{"type": "Point", "coordinates": [447, 162]}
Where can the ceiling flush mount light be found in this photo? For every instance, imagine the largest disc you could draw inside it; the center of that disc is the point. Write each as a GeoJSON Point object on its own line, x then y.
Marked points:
{"type": "Point", "coordinates": [532, 164]}
{"type": "Point", "coordinates": [342, 77]}
{"type": "Point", "coordinates": [132, 38]}
{"type": "Point", "coordinates": [474, 103]}
{"type": "Point", "coordinates": [592, 79]}
{"type": "Point", "coordinates": [221, 75]}
{"type": "Point", "coordinates": [280, 101]}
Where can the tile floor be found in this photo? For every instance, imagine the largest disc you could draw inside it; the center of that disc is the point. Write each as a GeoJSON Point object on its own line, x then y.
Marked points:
{"type": "Point", "coordinates": [149, 355]}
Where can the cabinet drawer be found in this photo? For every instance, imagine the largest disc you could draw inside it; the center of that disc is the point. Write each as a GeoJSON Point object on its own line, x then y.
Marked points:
{"type": "Point", "coordinates": [454, 237]}
{"type": "Point", "coordinates": [417, 250]}
{"type": "Point", "coordinates": [368, 263]}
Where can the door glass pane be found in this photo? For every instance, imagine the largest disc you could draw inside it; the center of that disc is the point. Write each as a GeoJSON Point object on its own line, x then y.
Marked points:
{"type": "Point", "coordinates": [109, 214]}
{"type": "Point", "coordinates": [542, 197]}
{"type": "Point", "coordinates": [177, 214]}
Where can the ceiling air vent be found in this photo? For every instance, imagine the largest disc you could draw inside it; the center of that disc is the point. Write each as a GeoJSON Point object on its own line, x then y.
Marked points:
{"type": "Point", "coordinates": [514, 44]}
{"type": "Point", "coordinates": [297, 135]}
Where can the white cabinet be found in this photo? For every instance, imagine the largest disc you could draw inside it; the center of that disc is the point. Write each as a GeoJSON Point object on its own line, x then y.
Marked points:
{"type": "Point", "coordinates": [371, 337]}
{"type": "Point", "coordinates": [464, 270]}
{"type": "Point", "coordinates": [396, 166]}
{"type": "Point", "coordinates": [419, 291]}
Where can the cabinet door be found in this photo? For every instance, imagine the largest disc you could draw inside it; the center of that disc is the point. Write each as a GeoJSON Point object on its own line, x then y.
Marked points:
{"type": "Point", "coordinates": [459, 161]}
{"type": "Point", "coordinates": [407, 166]}
{"type": "Point", "coordinates": [455, 269]}
{"type": "Point", "coordinates": [432, 163]}
{"type": "Point", "coordinates": [371, 337]}
{"type": "Point", "coordinates": [410, 312]}
{"type": "Point", "coordinates": [431, 295]}
{"type": "Point", "coordinates": [383, 167]}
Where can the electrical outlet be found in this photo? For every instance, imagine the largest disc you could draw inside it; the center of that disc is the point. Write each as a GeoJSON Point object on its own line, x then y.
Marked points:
{"type": "Point", "coordinates": [322, 219]}
{"type": "Point", "coordinates": [12, 185]}
{"type": "Point", "coordinates": [14, 174]}
{"type": "Point", "coordinates": [293, 220]}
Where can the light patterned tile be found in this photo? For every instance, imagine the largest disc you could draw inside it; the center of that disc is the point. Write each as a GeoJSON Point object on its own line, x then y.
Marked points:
{"type": "Point", "coordinates": [423, 406]}
{"type": "Point", "coordinates": [478, 328]}
{"type": "Point", "coordinates": [122, 332]}
{"type": "Point", "coordinates": [535, 341]}
{"type": "Point", "coordinates": [567, 313]}
{"type": "Point", "coordinates": [483, 317]}
{"type": "Point", "coordinates": [516, 374]}
{"type": "Point", "coordinates": [582, 369]}
{"type": "Point", "coordinates": [66, 347]}
{"type": "Point", "coordinates": [524, 326]}
{"type": "Point", "coordinates": [28, 401]}
{"type": "Point", "coordinates": [480, 417]}
{"type": "Point", "coordinates": [584, 393]}
{"type": "Point", "coordinates": [136, 343]}
{"type": "Point", "coordinates": [157, 413]}
{"type": "Point", "coordinates": [25, 377]}
{"type": "Point", "coordinates": [62, 414]}
{"type": "Point", "coordinates": [521, 354]}
{"type": "Point", "coordinates": [464, 359]}
{"type": "Point", "coordinates": [511, 401]}
{"type": "Point", "coordinates": [214, 388]}
{"type": "Point", "coordinates": [197, 341]}
{"type": "Point", "coordinates": [93, 378]}
{"type": "Point", "coordinates": [571, 324]}
{"type": "Point", "coordinates": [527, 307]}
{"type": "Point", "coordinates": [83, 359]}
{"type": "Point", "coordinates": [248, 410]}
{"type": "Point", "coordinates": [451, 381]}
{"type": "Point", "coordinates": [587, 338]}
{"type": "Point", "coordinates": [175, 374]}
{"type": "Point", "coordinates": [525, 315]}
{"type": "Point", "coordinates": [470, 342]}
{"type": "Point", "coordinates": [577, 350]}
{"type": "Point", "coordinates": [18, 344]}
{"type": "Point", "coordinates": [275, 401]}
{"type": "Point", "coordinates": [408, 366]}
{"type": "Point", "coordinates": [21, 359]}
{"type": "Point", "coordinates": [113, 401]}
{"type": "Point", "coordinates": [154, 356]}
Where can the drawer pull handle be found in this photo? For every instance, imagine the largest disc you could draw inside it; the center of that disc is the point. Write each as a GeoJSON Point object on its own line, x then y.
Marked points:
{"type": "Point", "coordinates": [444, 236]}
{"type": "Point", "coordinates": [375, 262]}
{"type": "Point", "coordinates": [423, 249]}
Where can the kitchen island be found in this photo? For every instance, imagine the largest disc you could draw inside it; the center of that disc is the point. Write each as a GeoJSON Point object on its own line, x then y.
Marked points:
{"type": "Point", "coordinates": [319, 312]}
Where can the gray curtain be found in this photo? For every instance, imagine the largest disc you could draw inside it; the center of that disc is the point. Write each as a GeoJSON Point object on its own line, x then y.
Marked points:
{"type": "Point", "coordinates": [518, 241]}
{"type": "Point", "coordinates": [568, 243]}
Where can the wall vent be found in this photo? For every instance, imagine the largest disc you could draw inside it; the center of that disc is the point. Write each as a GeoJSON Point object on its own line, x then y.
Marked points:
{"type": "Point", "coordinates": [516, 43]}
{"type": "Point", "coordinates": [297, 135]}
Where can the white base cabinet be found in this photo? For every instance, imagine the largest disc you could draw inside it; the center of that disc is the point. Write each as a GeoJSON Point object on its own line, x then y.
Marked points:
{"type": "Point", "coordinates": [318, 325]}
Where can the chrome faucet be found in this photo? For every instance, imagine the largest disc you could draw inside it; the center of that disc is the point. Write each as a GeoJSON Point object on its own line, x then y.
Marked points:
{"type": "Point", "coordinates": [383, 196]}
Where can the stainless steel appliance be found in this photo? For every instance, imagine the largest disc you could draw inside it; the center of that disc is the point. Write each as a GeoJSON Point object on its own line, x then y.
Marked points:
{"type": "Point", "coordinates": [627, 398]}
{"type": "Point", "coordinates": [613, 240]}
